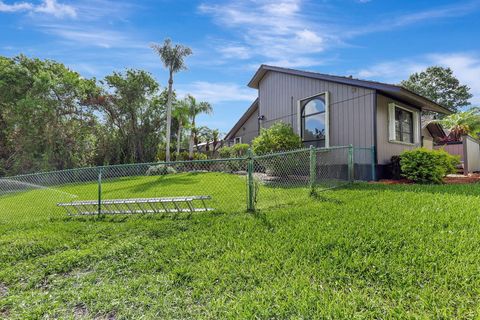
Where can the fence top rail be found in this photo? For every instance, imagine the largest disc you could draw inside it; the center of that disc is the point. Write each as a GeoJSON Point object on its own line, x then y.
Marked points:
{"type": "Point", "coordinates": [171, 163]}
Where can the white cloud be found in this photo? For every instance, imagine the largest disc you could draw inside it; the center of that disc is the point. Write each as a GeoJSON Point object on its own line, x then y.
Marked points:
{"type": "Point", "coordinates": [48, 7]}
{"type": "Point", "coordinates": [271, 30]}
{"type": "Point", "coordinates": [297, 32]}
{"type": "Point", "coordinates": [16, 7]}
{"type": "Point", "coordinates": [91, 36]}
{"type": "Point", "coordinates": [235, 51]}
{"type": "Point", "coordinates": [217, 92]}
{"type": "Point", "coordinates": [402, 20]}
{"type": "Point", "coordinates": [465, 66]}
{"type": "Point", "coordinates": [52, 7]}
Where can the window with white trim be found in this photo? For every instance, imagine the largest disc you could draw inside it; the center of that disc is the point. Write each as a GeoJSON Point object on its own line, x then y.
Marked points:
{"type": "Point", "coordinates": [403, 124]}
{"type": "Point", "coordinates": [237, 140]}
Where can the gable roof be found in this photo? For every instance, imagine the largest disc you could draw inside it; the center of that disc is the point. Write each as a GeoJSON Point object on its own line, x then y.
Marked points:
{"type": "Point", "coordinates": [395, 91]}
{"type": "Point", "coordinates": [253, 108]}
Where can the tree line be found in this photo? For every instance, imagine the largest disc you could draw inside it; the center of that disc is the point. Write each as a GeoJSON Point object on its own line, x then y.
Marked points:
{"type": "Point", "coordinates": [51, 118]}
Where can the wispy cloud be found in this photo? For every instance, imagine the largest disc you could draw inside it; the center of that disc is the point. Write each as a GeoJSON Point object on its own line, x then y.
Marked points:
{"type": "Point", "coordinates": [465, 66]}
{"type": "Point", "coordinates": [47, 7]}
{"type": "Point", "coordinates": [217, 92]}
{"type": "Point", "coordinates": [276, 31]}
{"type": "Point", "coordinates": [403, 20]}
{"type": "Point", "coordinates": [91, 36]}
{"type": "Point", "coordinates": [286, 33]}
{"type": "Point", "coordinates": [16, 7]}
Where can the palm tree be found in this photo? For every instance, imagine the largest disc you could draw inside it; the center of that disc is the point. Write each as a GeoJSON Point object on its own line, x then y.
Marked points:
{"type": "Point", "coordinates": [173, 59]}
{"type": "Point", "coordinates": [462, 123]}
{"type": "Point", "coordinates": [180, 113]}
{"type": "Point", "coordinates": [194, 110]}
{"type": "Point", "coordinates": [216, 140]}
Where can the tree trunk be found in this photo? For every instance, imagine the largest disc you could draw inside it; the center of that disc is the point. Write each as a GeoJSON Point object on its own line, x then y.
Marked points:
{"type": "Point", "coordinates": [179, 134]}
{"type": "Point", "coordinates": [192, 140]}
{"type": "Point", "coordinates": [169, 118]}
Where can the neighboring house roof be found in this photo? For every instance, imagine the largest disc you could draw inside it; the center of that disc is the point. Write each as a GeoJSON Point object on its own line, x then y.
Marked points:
{"type": "Point", "coordinates": [392, 90]}
{"type": "Point", "coordinates": [435, 129]}
{"type": "Point", "coordinates": [253, 108]}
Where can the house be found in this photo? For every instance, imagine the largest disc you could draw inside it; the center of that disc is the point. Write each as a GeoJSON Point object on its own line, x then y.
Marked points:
{"type": "Point", "coordinates": [327, 110]}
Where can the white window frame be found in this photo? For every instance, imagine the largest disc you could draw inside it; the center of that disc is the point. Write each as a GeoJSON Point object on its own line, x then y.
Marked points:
{"type": "Point", "coordinates": [237, 140]}
{"type": "Point", "coordinates": [326, 94]}
{"type": "Point", "coordinates": [391, 125]}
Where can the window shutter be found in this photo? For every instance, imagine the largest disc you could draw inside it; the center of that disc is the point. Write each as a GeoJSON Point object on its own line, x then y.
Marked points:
{"type": "Point", "coordinates": [391, 122]}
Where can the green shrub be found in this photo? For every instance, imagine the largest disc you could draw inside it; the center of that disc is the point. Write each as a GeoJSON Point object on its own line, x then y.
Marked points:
{"type": "Point", "coordinates": [279, 137]}
{"type": "Point", "coordinates": [238, 150]}
{"type": "Point", "coordinates": [160, 170]}
{"type": "Point", "coordinates": [225, 152]}
{"type": "Point", "coordinates": [427, 166]}
{"type": "Point", "coordinates": [184, 156]}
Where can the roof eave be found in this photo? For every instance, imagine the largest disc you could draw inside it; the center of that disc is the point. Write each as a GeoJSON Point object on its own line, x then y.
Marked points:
{"type": "Point", "coordinates": [242, 119]}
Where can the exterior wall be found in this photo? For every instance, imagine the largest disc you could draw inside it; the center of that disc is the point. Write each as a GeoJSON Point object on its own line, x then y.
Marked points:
{"type": "Point", "coordinates": [472, 154]}
{"type": "Point", "coordinates": [385, 148]}
{"type": "Point", "coordinates": [455, 149]}
{"type": "Point", "coordinates": [427, 139]}
{"type": "Point", "coordinates": [249, 130]}
{"type": "Point", "coordinates": [351, 108]}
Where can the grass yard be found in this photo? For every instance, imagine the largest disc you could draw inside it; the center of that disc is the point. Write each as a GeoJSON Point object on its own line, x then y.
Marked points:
{"type": "Point", "coordinates": [365, 251]}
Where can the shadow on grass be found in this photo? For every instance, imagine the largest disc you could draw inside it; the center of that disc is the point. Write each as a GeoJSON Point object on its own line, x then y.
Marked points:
{"type": "Point", "coordinates": [262, 217]}
{"type": "Point", "coordinates": [160, 182]}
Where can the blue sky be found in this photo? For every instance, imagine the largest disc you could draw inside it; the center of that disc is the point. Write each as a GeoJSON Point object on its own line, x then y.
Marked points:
{"type": "Point", "coordinates": [382, 40]}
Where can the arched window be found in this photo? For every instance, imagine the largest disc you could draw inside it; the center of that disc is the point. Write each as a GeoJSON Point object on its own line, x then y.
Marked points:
{"type": "Point", "coordinates": [313, 119]}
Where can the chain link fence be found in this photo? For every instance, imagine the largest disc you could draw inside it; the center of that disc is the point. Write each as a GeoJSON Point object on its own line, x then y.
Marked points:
{"type": "Point", "coordinates": [182, 188]}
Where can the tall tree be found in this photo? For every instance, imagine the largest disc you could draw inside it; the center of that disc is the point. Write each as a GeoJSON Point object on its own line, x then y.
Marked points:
{"type": "Point", "coordinates": [134, 110]}
{"type": "Point", "coordinates": [180, 114]}
{"type": "Point", "coordinates": [195, 108]}
{"type": "Point", "coordinates": [44, 120]}
{"type": "Point", "coordinates": [439, 85]}
{"type": "Point", "coordinates": [216, 140]}
{"type": "Point", "coordinates": [173, 57]}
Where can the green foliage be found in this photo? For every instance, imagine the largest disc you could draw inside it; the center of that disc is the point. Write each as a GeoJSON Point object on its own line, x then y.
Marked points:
{"type": "Point", "coordinates": [45, 122]}
{"type": "Point", "coordinates": [279, 137]}
{"type": "Point", "coordinates": [134, 110]}
{"type": "Point", "coordinates": [236, 151]}
{"type": "Point", "coordinates": [427, 166]}
{"type": "Point", "coordinates": [462, 123]}
{"type": "Point", "coordinates": [439, 85]}
{"type": "Point", "coordinates": [182, 156]}
{"type": "Point", "coordinates": [160, 170]}
{"type": "Point", "coordinates": [348, 255]}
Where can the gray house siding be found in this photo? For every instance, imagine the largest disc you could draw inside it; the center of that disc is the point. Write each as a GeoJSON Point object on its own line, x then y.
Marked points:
{"type": "Point", "coordinates": [351, 107]}
{"type": "Point", "coordinates": [249, 130]}
{"type": "Point", "coordinates": [385, 148]}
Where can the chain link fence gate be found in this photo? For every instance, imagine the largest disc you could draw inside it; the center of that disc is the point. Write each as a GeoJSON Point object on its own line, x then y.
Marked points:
{"type": "Point", "coordinates": [231, 185]}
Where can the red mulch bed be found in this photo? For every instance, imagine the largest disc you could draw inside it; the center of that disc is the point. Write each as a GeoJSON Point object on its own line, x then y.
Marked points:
{"type": "Point", "coordinates": [450, 179]}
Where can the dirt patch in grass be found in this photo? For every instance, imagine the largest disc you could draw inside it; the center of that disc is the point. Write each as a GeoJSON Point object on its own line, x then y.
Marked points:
{"type": "Point", "coordinates": [460, 178]}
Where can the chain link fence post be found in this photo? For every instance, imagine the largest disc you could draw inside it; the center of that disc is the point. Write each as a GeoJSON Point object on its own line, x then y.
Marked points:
{"type": "Point", "coordinates": [313, 169]}
{"type": "Point", "coordinates": [100, 190]}
{"type": "Point", "coordinates": [250, 182]}
{"type": "Point", "coordinates": [351, 173]}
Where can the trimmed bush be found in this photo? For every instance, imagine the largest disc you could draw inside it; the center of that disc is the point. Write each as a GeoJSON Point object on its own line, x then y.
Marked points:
{"type": "Point", "coordinates": [160, 170]}
{"type": "Point", "coordinates": [279, 137]}
{"type": "Point", "coordinates": [427, 166]}
{"type": "Point", "coordinates": [236, 151]}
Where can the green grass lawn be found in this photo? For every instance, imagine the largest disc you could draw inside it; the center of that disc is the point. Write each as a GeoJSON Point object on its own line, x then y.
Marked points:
{"type": "Point", "coordinates": [364, 251]}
